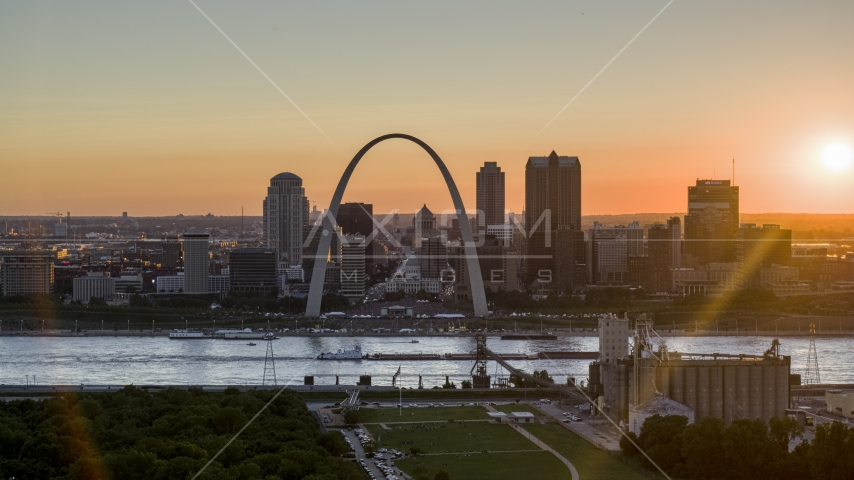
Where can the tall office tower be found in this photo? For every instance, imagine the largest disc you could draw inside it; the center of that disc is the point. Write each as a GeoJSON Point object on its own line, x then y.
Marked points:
{"type": "Point", "coordinates": [552, 201]}
{"type": "Point", "coordinates": [490, 195]}
{"type": "Point", "coordinates": [285, 218]}
{"type": "Point", "coordinates": [27, 272]}
{"type": "Point", "coordinates": [252, 270]}
{"type": "Point", "coordinates": [433, 257]}
{"type": "Point", "coordinates": [757, 248]}
{"type": "Point", "coordinates": [711, 222]}
{"type": "Point", "coordinates": [609, 249]}
{"type": "Point", "coordinates": [357, 219]}
{"type": "Point", "coordinates": [660, 247]}
{"type": "Point", "coordinates": [196, 262]}
{"type": "Point", "coordinates": [353, 266]}
{"type": "Point", "coordinates": [570, 266]}
{"type": "Point", "coordinates": [674, 225]}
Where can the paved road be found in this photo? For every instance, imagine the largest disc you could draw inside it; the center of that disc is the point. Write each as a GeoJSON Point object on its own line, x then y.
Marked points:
{"type": "Point", "coordinates": [596, 430]}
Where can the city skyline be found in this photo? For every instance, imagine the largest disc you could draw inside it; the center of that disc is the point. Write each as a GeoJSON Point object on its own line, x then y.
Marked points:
{"type": "Point", "coordinates": [674, 106]}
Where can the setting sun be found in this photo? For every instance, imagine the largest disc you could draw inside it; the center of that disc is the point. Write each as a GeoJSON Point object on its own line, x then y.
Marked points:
{"type": "Point", "coordinates": [836, 157]}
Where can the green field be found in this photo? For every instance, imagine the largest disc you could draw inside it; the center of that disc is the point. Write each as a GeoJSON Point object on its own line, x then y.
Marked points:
{"type": "Point", "coordinates": [422, 414]}
{"type": "Point", "coordinates": [518, 407]}
{"type": "Point", "coordinates": [591, 462]}
{"type": "Point", "coordinates": [453, 437]}
{"type": "Point", "coordinates": [539, 465]}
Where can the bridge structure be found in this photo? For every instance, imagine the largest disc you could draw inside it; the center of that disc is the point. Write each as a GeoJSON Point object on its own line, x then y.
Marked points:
{"type": "Point", "coordinates": [315, 293]}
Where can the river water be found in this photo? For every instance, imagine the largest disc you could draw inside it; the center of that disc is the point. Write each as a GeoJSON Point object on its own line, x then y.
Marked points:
{"type": "Point", "coordinates": [158, 360]}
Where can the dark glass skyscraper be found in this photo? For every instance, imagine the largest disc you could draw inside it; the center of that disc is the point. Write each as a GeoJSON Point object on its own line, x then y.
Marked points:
{"type": "Point", "coordinates": [552, 202]}
{"type": "Point", "coordinates": [490, 194]}
{"type": "Point", "coordinates": [711, 222]}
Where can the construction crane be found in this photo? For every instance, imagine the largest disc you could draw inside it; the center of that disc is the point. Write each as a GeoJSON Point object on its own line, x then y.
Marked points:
{"type": "Point", "coordinates": [58, 216]}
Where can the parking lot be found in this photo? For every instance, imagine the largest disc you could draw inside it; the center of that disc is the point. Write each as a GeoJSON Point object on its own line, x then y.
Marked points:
{"type": "Point", "coordinates": [381, 466]}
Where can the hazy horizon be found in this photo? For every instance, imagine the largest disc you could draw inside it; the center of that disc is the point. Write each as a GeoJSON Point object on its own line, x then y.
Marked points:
{"type": "Point", "coordinates": [146, 107]}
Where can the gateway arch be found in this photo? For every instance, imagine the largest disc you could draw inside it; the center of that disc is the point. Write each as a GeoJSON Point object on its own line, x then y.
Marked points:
{"type": "Point", "coordinates": [318, 276]}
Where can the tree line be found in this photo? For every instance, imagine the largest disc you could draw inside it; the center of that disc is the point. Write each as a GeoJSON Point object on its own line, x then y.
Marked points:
{"type": "Point", "coordinates": [743, 450]}
{"type": "Point", "coordinates": [172, 434]}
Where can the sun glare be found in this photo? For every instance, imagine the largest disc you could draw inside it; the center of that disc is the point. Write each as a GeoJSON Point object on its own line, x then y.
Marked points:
{"type": "Point", "coordinates": [837, 157]}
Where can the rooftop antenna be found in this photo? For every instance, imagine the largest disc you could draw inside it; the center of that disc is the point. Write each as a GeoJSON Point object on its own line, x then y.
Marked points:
{"type": "Point", "coordinates": [733, 170]}
{"type": "Point", "coordinates": [241, 219]}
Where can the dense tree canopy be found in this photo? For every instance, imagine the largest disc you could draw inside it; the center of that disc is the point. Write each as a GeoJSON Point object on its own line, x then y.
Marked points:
{"type": "Point", "coordinates": [746, 449]}
{"type": "Point", "coordinates": [133, 434]}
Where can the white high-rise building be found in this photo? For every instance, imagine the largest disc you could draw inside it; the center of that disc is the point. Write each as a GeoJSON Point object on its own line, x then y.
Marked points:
{"type": "Point", "coordinates": [196, 262]}
{"type": "Point", "coordinates": [285, 218]}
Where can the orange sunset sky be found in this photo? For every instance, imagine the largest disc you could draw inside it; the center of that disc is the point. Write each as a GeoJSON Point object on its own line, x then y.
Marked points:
{"type": "Point", "coordinates": [145, 107]}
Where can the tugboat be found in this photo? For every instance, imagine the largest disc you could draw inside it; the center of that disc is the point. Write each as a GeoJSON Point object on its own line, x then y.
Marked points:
{"type": "Point", "coordinates": [414, 341]}
{"type": "Point", "coordinates": [342, 355]}
{"type": "Point", "coordinates": [270, 336]}
{"type": "Point", "coordinates": [251, 344]}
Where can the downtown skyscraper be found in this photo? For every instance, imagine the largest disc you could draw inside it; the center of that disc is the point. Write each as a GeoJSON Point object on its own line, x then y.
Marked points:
{"type": "Point", "coordinates": [553, 204]}
{"type": "Point", "coordinates": [196, 262]}
{"type": "Point", "coordinates": [285, 219]}
{"type": "Point", "coordinates": [711, 222]}
{"type": "Point", "coordinates": [490, 195]}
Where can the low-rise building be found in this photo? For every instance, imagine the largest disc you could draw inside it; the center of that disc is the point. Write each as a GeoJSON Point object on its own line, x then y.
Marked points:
{"type": "Point", "coordinates": [94, 285]}
{"type": "Point", "coordinates": [521, 417]}
{"type": "Point", "coordinates": [840, 402]}
{"type": "Point", "coordinates": [129, 284]}
{"type": "Point", "coordinates": [712, 279]}
{"type": "Point", "coordinates": [170, 283]}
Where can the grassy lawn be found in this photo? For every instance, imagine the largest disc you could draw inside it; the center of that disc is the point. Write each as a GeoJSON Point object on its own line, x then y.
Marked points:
{"type": "Point", "coordinates": [422, 414]}
{"type": "Point", "coordinates": [518, 407]}
{"type": "Point", "coordinates": [592, 463]}
{"type": "Point", "coordinates": [451, 437]}
{"type": "Point", "coordinates": [539, 465]}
